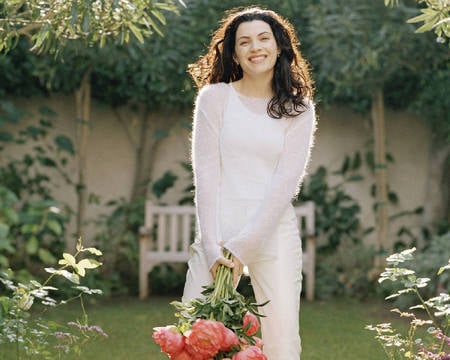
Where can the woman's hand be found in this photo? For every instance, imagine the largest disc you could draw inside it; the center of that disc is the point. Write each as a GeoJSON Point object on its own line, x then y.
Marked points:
{"type": "Point", "coordinates": [234, 263]}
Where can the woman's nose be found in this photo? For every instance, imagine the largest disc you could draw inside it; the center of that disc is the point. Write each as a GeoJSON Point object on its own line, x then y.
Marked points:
{"type": "Point", "coordinates": [255, 45]}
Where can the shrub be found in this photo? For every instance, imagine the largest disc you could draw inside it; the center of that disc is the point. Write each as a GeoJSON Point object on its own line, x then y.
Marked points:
{"type": "Point", "coordinates": [34, 336]}
{"type": "Point", "coordinates": [429, 320]}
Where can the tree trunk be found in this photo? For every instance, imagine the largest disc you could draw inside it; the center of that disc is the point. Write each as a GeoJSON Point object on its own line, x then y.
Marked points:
{"type": "Point", "coordinates": [381, 204]}
{"type": "Point", "coordinates": [83, 109]}
{"type": "Point", "coordinates": [154, 128]}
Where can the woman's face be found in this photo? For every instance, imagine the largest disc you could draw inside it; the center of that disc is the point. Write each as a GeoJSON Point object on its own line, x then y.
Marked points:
{"type": "Point", "coordinates": [255, 49]}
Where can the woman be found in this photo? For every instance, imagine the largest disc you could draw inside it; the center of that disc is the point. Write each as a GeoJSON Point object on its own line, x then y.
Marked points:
{"type": "Point", "coordinates": [253, 128]}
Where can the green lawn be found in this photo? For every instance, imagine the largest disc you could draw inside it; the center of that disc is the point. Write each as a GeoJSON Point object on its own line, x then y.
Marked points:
{"type": "Point", "coordinates": [330, 330]}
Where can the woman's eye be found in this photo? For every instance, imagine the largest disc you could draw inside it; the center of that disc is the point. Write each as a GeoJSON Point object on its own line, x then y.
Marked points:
{"type": "Point", "coordinates": [243, 43]}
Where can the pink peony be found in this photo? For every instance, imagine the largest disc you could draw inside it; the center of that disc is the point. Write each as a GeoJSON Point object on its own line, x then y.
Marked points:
{"type": "Point", "coordinates": [183, 355]}
{"type": "Point", "coordinates": [169, 339]}
{"type": "Point", "coordinates": [205, 338]}
{"type": "Point", "coordinates": [250, 324]}
{"type": "Point", "coordinates": [258, 342]}
{"type": "Point", "coordinates": [230, 339]}
{"type": "Point", "coordinates": [251, 353]}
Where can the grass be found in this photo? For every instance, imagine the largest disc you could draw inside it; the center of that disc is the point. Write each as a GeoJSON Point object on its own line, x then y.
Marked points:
{"type": "Point", "coordinates": [330, 330]}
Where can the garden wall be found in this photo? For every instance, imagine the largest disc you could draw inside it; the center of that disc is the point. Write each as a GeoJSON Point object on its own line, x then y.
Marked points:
{"type": "Point", "coordinates": [341, 132]}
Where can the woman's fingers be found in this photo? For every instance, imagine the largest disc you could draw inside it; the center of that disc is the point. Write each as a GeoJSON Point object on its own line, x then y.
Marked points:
{"type": "Point", "coordinates": [237, 271]}
{"type": "Point", "coordinates": [221, 261]}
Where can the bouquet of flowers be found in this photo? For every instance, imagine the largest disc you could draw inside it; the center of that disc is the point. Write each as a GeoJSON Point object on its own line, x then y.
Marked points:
{"type": "Point", "coordinates": [221, 325]}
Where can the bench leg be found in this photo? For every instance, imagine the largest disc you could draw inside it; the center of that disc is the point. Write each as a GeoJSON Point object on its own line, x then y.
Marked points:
{"type": "Point", "coordinates": [311, 272]}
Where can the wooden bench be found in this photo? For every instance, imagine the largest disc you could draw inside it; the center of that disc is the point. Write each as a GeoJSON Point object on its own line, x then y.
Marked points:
{"type": "Point", "coordinates": [168, 232]}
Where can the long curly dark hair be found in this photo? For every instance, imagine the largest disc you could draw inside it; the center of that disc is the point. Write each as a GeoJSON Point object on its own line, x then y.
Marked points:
{"type": "Point", "coordinates": [291, 82]}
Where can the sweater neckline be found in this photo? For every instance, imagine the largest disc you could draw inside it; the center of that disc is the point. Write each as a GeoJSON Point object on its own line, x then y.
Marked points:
{"type": "Point", "coordinates": [251, 98]}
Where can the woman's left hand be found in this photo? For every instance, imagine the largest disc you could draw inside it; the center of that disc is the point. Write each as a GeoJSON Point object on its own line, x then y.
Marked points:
{"type": "Point", "coordinates": [238, 269]}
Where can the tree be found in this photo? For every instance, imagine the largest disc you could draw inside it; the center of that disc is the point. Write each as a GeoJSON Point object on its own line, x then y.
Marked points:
{"type": "Point", "coordinates": [358, 48]}
{"type": "Point", "coordinates": [435, 16]}
{"type": "Point", "coordinates": [52, 25]}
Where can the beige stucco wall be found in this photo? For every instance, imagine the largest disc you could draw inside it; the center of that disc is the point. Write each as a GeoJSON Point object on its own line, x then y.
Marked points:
{"type": "Point", "coordinates": [341, 132]}
{"type": "Point", "coordinates": [112, 146]}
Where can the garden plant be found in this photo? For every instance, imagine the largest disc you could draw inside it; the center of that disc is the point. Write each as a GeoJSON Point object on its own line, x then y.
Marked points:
{"type": "Point", "coordinates": [24, 308]}
{"type": "Point", "coordinates": [429, 321]}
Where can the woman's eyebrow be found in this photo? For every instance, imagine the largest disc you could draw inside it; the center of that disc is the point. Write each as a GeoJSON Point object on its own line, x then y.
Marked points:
{"type": "Point", "coordinates": [248, 36]}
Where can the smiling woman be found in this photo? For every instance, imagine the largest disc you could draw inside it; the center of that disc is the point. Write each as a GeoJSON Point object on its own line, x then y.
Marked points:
{"type": "Point", "coordinates": [253, 130]}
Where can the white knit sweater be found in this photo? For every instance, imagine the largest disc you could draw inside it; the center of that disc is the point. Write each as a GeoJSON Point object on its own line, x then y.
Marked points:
{"type": "Point", "coordinates": [240, 155]}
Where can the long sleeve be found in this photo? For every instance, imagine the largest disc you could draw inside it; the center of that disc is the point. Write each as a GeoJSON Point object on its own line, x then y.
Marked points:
{"type": "Point", "coordinates": [284, 185]}
{"type": "Point", "coordinates": [208, 115]}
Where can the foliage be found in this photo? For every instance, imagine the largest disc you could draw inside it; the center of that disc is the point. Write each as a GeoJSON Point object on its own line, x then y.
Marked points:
{"type": "Point", "coordinates": [435, 252]}
{"type": "Point", "coordinates": [336, 211]}
{"type": "Point", "coordinates": [355, 46]}
{"type": "Point", "coordinates": [435, 16]}
{"type": "Point", "coordinates": [348, 271]}
{"type": "Point", "coordinates": [32, 222]}
{"type": "Point", "coordinates": [49, 25]}
{"type": "Point", "coordinates": [34, 336]}
{"type": "Point", "coordinates": [345, 264]}
{"type": "Point", "coordinates": [433, 343]}
{"type": "Point", "coordinates": [432, 103]}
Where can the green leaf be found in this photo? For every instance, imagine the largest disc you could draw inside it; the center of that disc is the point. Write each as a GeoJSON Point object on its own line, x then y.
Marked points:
{"type": "Point", "coordinates": [355, 178]}
{"type": "Point", "coordinates": [32, 245]}
{"type": "Point", "coordinates": [55, 227]}
{"type": "Point", "coordinates": [93, 251]}
{"type": "Point", "coordinates": [68, 259]}
{"type": "Point", "coordinates": [11, 215]}
{"type": "Point", "coordinates": [4, 262]}
{"type": "Point", "coordinates": [46, 256]}
{"type": "Point", "coordinates": [137, 33]}
{"type": "Point", "coordinates": [160, 134]}
{"type": "Point", "coordinates": [419, 18]}
{"type": "Point", "coordinates": [157, 14]}
{"type": "Point", "coordinates": [46, 111]}
{"type": "Point", "coordinates": [443, 268]}
{"type": "Point", "coordinates": [426, 27]}
{"type": "Point", "coordinates": [73, 14]}
{"type": "Point", "coordinates": [4, 231]}
{"type": "Point", "coordinates": [6, 136]}
{"type": "Point", "coordinates": [86, 264]}
{"type": "Point", "coordinates": [64, 143]}
{"type": "Point", "coordinates": [41, 37]}
{"type": "Point", "coordinates": [69, 276]}
{"type": "Point", "coordinates": [85, 25]}
{"type": "Point", "coordinates": [89, 263]}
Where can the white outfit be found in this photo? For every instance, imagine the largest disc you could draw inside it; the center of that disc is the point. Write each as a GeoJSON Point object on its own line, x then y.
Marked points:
{"type": "Point", "coordinates": [247, 168]}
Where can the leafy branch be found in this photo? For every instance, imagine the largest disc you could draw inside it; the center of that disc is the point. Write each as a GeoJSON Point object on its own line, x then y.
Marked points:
{"type": "Point", "coordinates": [49, 24]}
{"type": "Point", "coordinates": [435, 16]}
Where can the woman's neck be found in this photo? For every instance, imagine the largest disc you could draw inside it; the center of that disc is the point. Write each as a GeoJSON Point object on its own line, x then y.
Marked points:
{"type": "Point", "coordinates": [260, 87]}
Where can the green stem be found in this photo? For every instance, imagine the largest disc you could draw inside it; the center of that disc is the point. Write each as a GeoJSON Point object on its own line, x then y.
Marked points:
{"type": "Point", "coordinates": [427, 309]}
{"type": "Point", "coordinates": [221, 282]}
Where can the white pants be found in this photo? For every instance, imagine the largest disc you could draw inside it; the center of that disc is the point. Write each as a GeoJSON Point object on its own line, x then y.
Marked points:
{"type": "Point", "coordinates": [276, 280]}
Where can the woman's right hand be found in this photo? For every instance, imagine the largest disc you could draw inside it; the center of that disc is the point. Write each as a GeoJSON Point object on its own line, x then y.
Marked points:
{"type": "Point", "coordinates": [234, 264]}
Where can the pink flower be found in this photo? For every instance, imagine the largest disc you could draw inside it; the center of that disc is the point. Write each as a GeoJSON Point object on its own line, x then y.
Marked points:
{"type": "Point", "coordinates": [251, 353]}
{"type": "Point", "coordinates": [258, 342]}
{"type": "Point", "coordinates": [169, 339]}
{"type": "Point", "coordinates": [230, 339]}
{"type": "Point", "coordinates": [183, 355]}
{"type": "Point", "coordinates": [205, 338]}
{"type": "Point", "coordinates": [250, 324]}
